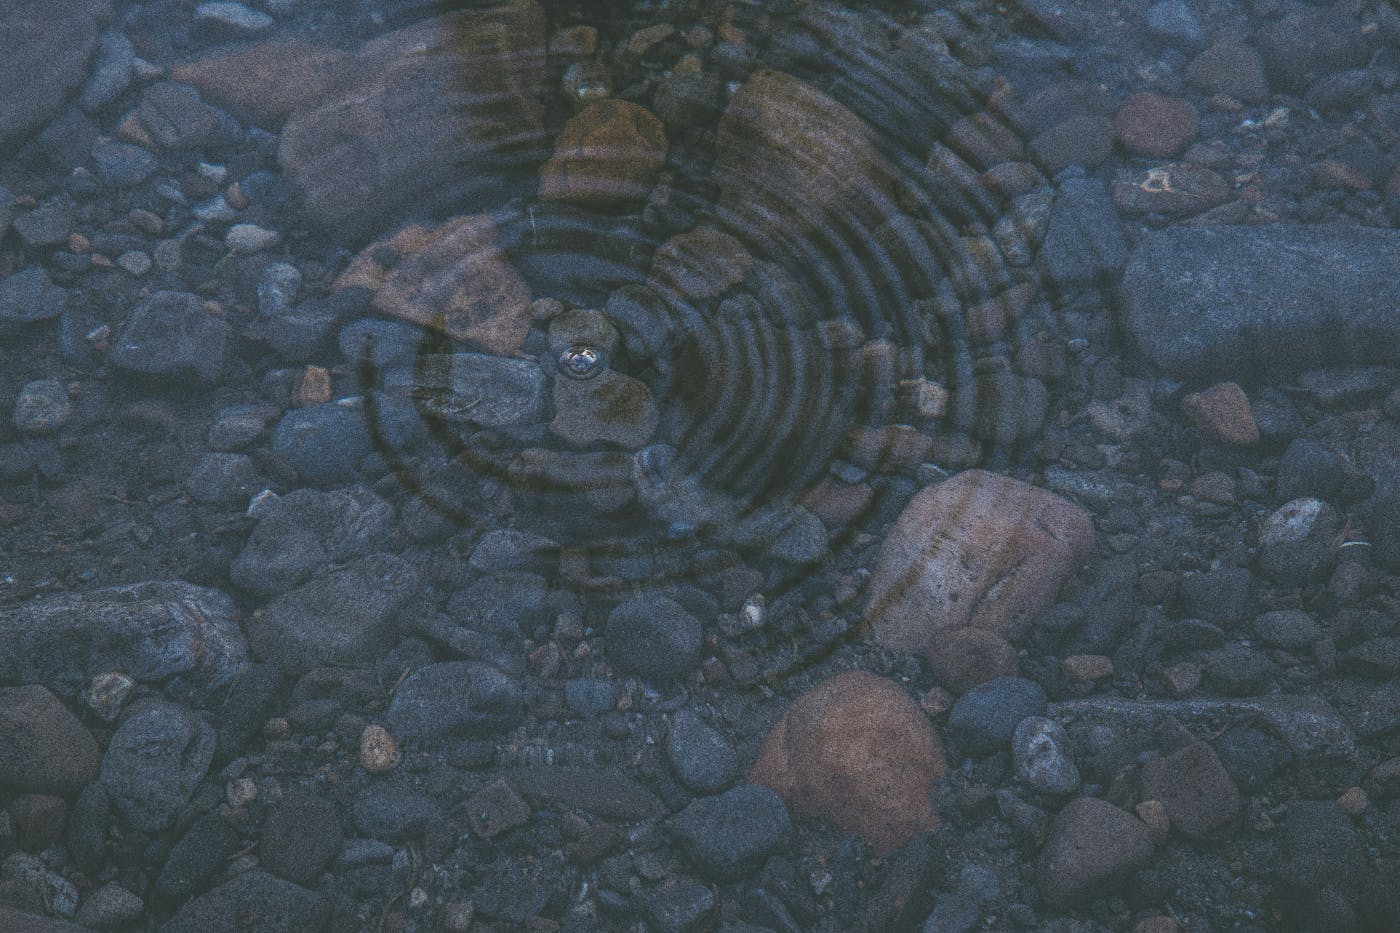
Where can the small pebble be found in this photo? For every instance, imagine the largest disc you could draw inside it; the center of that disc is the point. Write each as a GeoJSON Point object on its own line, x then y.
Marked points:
{"type": "Point", "coordinates": [1353, 801]}
{"type": "Point", "coordinates": [379, 753]}
{"type": "Point", "coordinates": [240, 792]}
{"type": "Point", "coordinates": [108, 694]}
{"type": "Point", "coordinates": [135, 262]}
{"type": "Point", "coordinates": [250, 238]}
{"type": "Point", "coordinates": [42, 407]}
{"type": "Point", "coordinates": [1088, 667]}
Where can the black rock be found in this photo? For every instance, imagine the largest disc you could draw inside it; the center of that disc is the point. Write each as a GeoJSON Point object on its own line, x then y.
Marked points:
{"type": "Point", "coordinates": [200, 854]}
{"type": "Point", "coordinates": [300, 331]}
{"type": "Point", "coordinates": [1251, 757]}
{"type": "Point", "coordinates": [245, 708]}
{"type": "Point", "coordinates": [170, 335]}
{"type": "Point", "coordinates": [222, 479]}
{"type": "Point", "coordinates": [679, 908]}
{"type": "Point", "coordinates": [253, 902]}
{"type": "Point", "coordinates": [89, 819]}
{"type": "Point", "coordinates": [1383, 524]}
{"type": "Point", "coordinates": [730, 835]}
{"type": "Point", "coordinates": [704, 759]}
{"type": "Point", "coordinates": [300, 837]}
{"type": "Point", "coordinates": [392, 813]}
{"type": "Point", "coordinates": [984, 719]}
{"type": "Point", "coordinates": [1083, 241]}
{"type": "Point", "coordinates": [654, 637]}
{"type": "Point", "coordinates": [1279, 295]}
{"type": "Point", "coordinates": [453, 698]}
{"type": "Point", "coordinates": [29, 296]}
{"type": "Point", "coordinates": [155, 759]}
{"type": "Point", "coordinates": [589, 696]}
{"type": "Point", "coordinates": [505, 605]}
{"type": "Point", "coordinates": [1219, 596]}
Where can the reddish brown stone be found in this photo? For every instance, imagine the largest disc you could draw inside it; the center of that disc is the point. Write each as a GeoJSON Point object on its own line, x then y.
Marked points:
{"type": "Point", "coordinates": [982, 140]}
{"type": "Point", "coordinates": [965, 657]}
{"type": "Point", "coordinates": [890, 449]}
{"type": "Point", "coordinates": [856, 750]}
{"type": "Point", "coordinates": [1231, 69]}
{"type": "Point", "coordinates": [610, 151]}
{"type": "Point", "coordinates": [978, 549]}
{"type": "Point", "coordinates": [263, 84]}
{"type": "Point", "coordinates": [1199, 795]}
{"type": "Point", "coordinates": [1155, 126]}
{"type": "Point", "coordinates": [1223, 414]}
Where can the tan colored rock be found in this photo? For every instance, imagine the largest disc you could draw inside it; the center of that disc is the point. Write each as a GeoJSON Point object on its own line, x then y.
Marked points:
{"type": "Point", "coordinates": [451, 277]}
{"type": "Point", "coordinates": [610, 151]}
{"type": "Point", "coordinates": [978, 550]}
{"type": "Point", "coordinates": [447, 111]}
{"type": "Point", "coordinates": [787, 156]}
{"type": "Point", "coordinates": [702, 263]}
{"type": "Point", "coordinates": [1222, 413]}
{"type": "Point", "coordinates": [969, 656]}
{"type": "Point", "coordinates": [267, 82]}
{"type": "Point", "coordinates": [857, 750]}
{"type": "Point", "coordinates": [379, 753]}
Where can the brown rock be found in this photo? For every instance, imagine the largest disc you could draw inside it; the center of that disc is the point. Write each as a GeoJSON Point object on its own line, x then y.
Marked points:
{"type": "Point", "coordinates": [452, 277]}
{"type": "Point", "coordinates": [1222, 413]}
{"type": "Point", "coordinates": [982, 140]}
{"type": "Point", "coordinates": [702, 263]}
{"type": "Point", "coordinates": [379, 753]}
{"type": "Point", "coordinates": [1091, 847]}
{"type": "Point", "coordinates": [836, 504]}
{"type": "Point", "coordinates": [1232, 69]}
{"type": "Point", "coordinates": [1154, 816]}
{"type": "Point", "coordinates": [788, 155]}
{"type": "Point", "coordinates": [264, 84]}
{"type": "Point", "coordinates": [856, 750]}
{"type": "Point", "coordinates": [608, 152]}
{"type": "Point", "coordinates": [965, 657]}
{"type": "Point", "coordinates": [1088, 667]}
{"type": "Point", "coordinates": [446, 112]}
{"type": "Point", "coordinates": [612, 408]}
{"type": "Point", "coordinates": [978, 549]}
{"type": "Point", "coordinates": [990, 321]}
{"type": "Point", "coordinates": [1197, 791]}
{"type": "Point", "coordinates": [1155, 126]}
{"type": "Point", "coordinates": [1178, 188]}
{"type": "Point", "coordinates": [44, 50]}
{"type": "Point", "coordinates": [44, 746]}
{"type": "Point", "coordinates": [313, 387]}
{"type": "Point", "coordinates": [1086, 141]}
{"type": "Point", "coordinates": [495, 809]}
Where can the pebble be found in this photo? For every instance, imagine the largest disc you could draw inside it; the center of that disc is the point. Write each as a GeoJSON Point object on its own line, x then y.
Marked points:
{"type": "Point", "coordinates": [984, 719]}
{"type": "Point", "coordinates": [107, 694]}
{"type": "Point", "coordinates": [379, 753]}
{"type": "Point", "coordinates": [1084, 240]}
{"type": "Point", "coordinates": [1091, 847]}
{"type": "Point", "coordinates": [277, 289]}
{"type": "Point", "coordinates": [1290, 629]}
{"type": "Point", "coordinates": [250, 238]}
{"type": "Point", "coordinates": [222, 480]}
{"type": "Point", "coordinates": [453, 698]}
{"type": "Point", "coordinates": [1296, 541]}
{"type": "Point", "coordinates": [1222, 413]}
{"type": "Point", "coordinates": [42, 407]}
{"type": "Point", "coordinates": [702, 757]}
{"type": "Point", "coordinates": [49, 749]}
{"type": "Point", "coordinates": [392, 812]}
{"type": "Point", "coordinates": [1155, 126]}
{"type": "Point", "coordinates": [1087, 668]}
{"type": "Point", "coordinates": [496, 809]}
{"type": "Point", "coordinates": [32, 880]}
{"type": "Point", "coordinates": [654, 637]}
{"type": "Point", "coordinates": [111, 74]}
{"type": "Point", "coordinates": [1232, 69]}
{"type": "Point", "coordinates": [679, 908]}
{"type": "Point", "coordinates": [135, 262]}
{"type": "Point", "coordinates": [29, 296]}
{"type": "Point", "coordinates": [969, 656]}
{"type": "Point", "coordinates": [110, 907]}
{"type": "Point", "coordinates": [731, 835]}
{"type": "Point", "coordinates": [234, 18]}
{"type": "Point", "coordinates": [170, 334]}
{"type": "Point", "coordinates": [1040, 756]}
{"type": "Point", "coordinates": [323, 443]}
{"type": "Point", "coordinates": [123, 165]}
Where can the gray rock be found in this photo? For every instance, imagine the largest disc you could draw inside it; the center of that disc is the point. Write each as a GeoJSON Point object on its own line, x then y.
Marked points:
{"type": "Point", "coordinates": [323, 443]}
{"type": "Point", "coordinates": [199, 855]}
{"type": "Point", "coordinates": [42, 407]}
{"type": "Point", "coordinates": [1202, 302]}
{"type": "Point", "coordinates": [654, 637]}
{"type": "Point", "coordinates": [392, 813]}
{"type": "Point", "coordinates": [28, 879]}
{"type": "Point", "coordinates": [1220, 596]}
{"type": "Point", "coordinates": [952, 913]}
{"type": "Point", "coordinates": [508, 549]}
{"type": "Point", "coordinates": [494, 392]}
{"type": "Point", "coordinates": [503, 605]}
{"type": "Point", "coordinates": [44, 53]}
{"type": "Point", "coordinates": [110, 907]}
{"type": "Point", "coordinates": [112, 73]}
{"type": "Point", "coordinates": [1290, 629]}
{"type": "Point", "coordinates": [1083, 240]}
{"type": "Point", "coordinates": [589, 696]}
{"type": "Point", "coordinates": [300, 331]}
{"type": "Point", "coordinates": [1296, 542]}
{"type": "Point", "coordinates": [1383, 523]}
{"type": "Point", "coordinates": [679, 908]}
{"type": "Point", "coordinates": [174, 116]}
{"type": "Point", "coordinates": [155, 759]}
{"type": "Point", "coordinates": [1174, 21]}
{"type": "Point", "coordinates": [170, 335]}
{"type": "Point", "coordinates": [277, 289]}
{"type": "Point", "coordinates": [89, 820]}
{"type": "Point", "coordinates": [1310, 470]}
{"type": "Point", "coordinates": [732, 834]}
{"type": "Point", "coordinates": [48, 749]}
{"type": "Point", "coordinates": [222, 480]}
{"type": "Point", "coordinates": [1251, 756]}
{"type": "Point", "coordinates": [123, 165]}
{"type": "Point", "coordinates": [49, 224]}
{"type": "Point", "coordinates": [703, 758]}
{"type": "Point", "coordinates": [453, 698]}
{"type": "Point", "coordinates": [300, 837]}
{"type": "Point", "coordinates": [7, 209]}
{"type": "Point", "coordinates": [169, 633]}
{"type": "Point", "coordinates": [1041, 758]}
{"type": "Point", "coordinates": [253, 902]}
{"type": "Point", "coordinates": [984, 719]}
{"type": "Point", "coordinates": [232, 18]}
{"type": "Point", "coordinates": [29, 296]}
{"type": "Point", "coordinates": [1091, 846]}
{"type": "Point", "coordinates": [347, 616]}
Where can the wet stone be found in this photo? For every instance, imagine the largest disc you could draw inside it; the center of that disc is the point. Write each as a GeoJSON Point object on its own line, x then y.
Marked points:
{"type": "Point", "coordinates": [679, 908]}
{"type": "Point", "coordinates": [453, 698]}
{"type": "Point", "coordinates": [496, 809]}
{"type": "Point", "coordinates": [153, 763]}
{"type": "Point", "coordinates": [111, 73]}
{"type": "Point", "coordinates": [985, 718]}
{"type": "Point", "coordinates": [494, 392]}
{"type": "Point", "coordinates": [654, 637]}
{"type": "Point", "coordinates": [1155, 126]}
{"type": "Point", "coordinates": [170, 335]}
{"type": "Point", "coordinates": [110, 907]}
{"type": "Point", "coordinates": [49, 749]}
{"type": "Point", "coordinates": [610, 151]}
{"type": "Point", "coordinates": [1199, 795]}
{"type": "Point", "coordinates": [196, 857]}
{"type": "Point", "coordinates": [42, 407]}
{"type": "Point", "coordinates": [1041, 758]}
{"type": "Point", "coordinates": [1296, 542]}
{"type": "Point", "coordinates": [174, 116]}
{"type": "Point", "coordinates": [732, 834]}
{"type": "Point", "coordinates": [1232, 69]}
{"type": "Point", "coordinates": [323, 443]}
{"type": "Point", "coordinates": [300, 836]}
{"type": "Point", "coordinates": [1083, 241]}
{"type": "Point", "coordinates": [28, 296]}
{"type": "Point", "coordinates": [222, 480]}
{"type": "Point", "coordinates": [123, 165]}
{"type": "Point", "coordinates": [1174, 189]}
{"type": "Point", "coordinates": [1251, 756]}
{"type": "Point", "coordinates": [702, 757]}
{"type": "Point", "coordinates": [271, 903]}
{"type": "Point", "coordinates": [1174, 21]}
{"type": "Point", "coordinates": [1091, 846]}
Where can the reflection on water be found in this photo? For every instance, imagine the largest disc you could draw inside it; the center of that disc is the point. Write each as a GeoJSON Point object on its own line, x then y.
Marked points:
{"type": "Point", "coordinates": [700, 465]}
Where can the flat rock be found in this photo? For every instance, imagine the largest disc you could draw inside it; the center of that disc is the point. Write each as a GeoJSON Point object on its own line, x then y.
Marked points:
{"type": "Point", "coordinates": [44, 52]}
{"type": "Point", "coordinates": [265, 83]}
{"type": "Point", "coordinates": [453, 698]}
{"type": "Point", "coordinates": [606, 792]}
{"type": "Point", "coordinates": [155, 759]}
{"type": "Point", "coordinates": [1091, 846]}
{"type": "Point", "coordinates": [978, 549]}
{"type": "Point", "coordinates": [347, 616]}
{"type": "Point", "coordinates": [730, 835]}
{"type": "Point", "coordinates": [169, 633]}
{"type": "Point", "coordinates": [1206, 301]}
{"type": "Point", "coordinates": [611, 151]}
{"type": "Point", "coordinates": [47, 748]}
{"type": "Point", "coordinates": [253, 902]}
{"type": "Point", "coordinates": [856, 750]}
{"type": "Point", "coordinates": [451, 277]}
{"type": "Point", "coordinates": [170, 335]}
{"type": "Point", "coordinates": [446, 112]}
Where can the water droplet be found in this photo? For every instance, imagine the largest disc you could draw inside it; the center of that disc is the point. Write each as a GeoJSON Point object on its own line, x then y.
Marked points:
{"type": "Point", "coordinates": [581, 362]}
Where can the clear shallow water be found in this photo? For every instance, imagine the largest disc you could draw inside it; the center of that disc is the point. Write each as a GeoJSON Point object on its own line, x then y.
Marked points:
{"type": "Point", "coordinates": [576, 392]}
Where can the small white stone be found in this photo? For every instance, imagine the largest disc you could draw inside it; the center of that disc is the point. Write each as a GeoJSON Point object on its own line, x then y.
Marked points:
{"type": "Point", "coordinates": [108, 693]}
{"type": "Point", "coordinates": [1293, 521]}
{"type": "Point", "coordinates": [232, 16]}
{"type": "Point", "coordinates": [250, 238]}
{"type": "Point", "coordinates": [135, 262]}
{"type": "Point", "coordinates": [259, 504]}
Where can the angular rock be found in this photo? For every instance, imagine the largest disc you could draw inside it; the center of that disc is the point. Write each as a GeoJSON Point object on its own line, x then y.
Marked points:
{"type": "Point", "coordinates": [494, 392]}
{"type": "Point", "coordinates": [170, 335]}
{"type": "Point", "coordinates": [447, 112]}
{"type": "Point", "coordinates": [1092, 846]}
{"type": "Point", "coordinates": [653, 637]}
{"type": "Point", "coordinates": [979, 550]}
{"type": "Point", "coordinates": [453, 698]}
{"type": "Point", "coordinates": [345, 617]}
{"type": "Point", "coordinates": [174, 117]}
{"type": "Point", "coordinates": [159, 632]}
{"type": "Point", "coordinates": [29, 296]}
{"type": "Point", "coordinates": [300, 837]}
{"type": "Point", "coordinates": [1201, 798]}
{"type": "Point", "coordinates": [198, 856]}
{"type": "Point", "coordinates": [44, 52]}
{"type": "Point", "coordinates": [1223, 414]}
{"type": "Point", "coordinates": [1279, 295]}
{"type": "Point", "coordinates": [732, 834]}
{"type": "Point", "coordinates": [856, 750]}
{"type": "Point", "coordinates": [155, 759]}
{"type": "Point", "coordinates": [1083, 241]}
{"type": "Point", "coordinates": [265, 83]}
{"type": "Point", "coordinates": [452, 277]}
{"type": "Point", "coordinates": [393, 812]}
{"type": "Point", "coordinates": [47, 748]}
{"type": "Point", "coordinates": [610, 151]}
{"type": "Point", "coordinates": [253, 902]}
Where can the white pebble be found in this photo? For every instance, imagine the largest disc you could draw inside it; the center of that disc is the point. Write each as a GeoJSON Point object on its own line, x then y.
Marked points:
{"type": "Point", "coordinates": [250, 238]}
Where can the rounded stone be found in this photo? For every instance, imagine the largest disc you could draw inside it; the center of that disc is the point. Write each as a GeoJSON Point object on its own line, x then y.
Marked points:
{"type": "Point", "coordinates": [42, 407]}
{"type": "Point", "coordinates": [985, 718]}
{"type": "Point", "coordinates": [1040, 753]}
{"type": "Point", "coordinates": [1155, 126]}
{"type": "Point", "coordinates": [654, 637]}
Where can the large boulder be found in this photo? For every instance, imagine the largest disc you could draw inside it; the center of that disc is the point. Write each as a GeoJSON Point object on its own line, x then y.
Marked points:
{"type": "Point", "coordinates": [169, 633]}
{"type": "Point", "coordinates": [856, 750]}
{"type": "Point", "coordinates": [45, 47]}
{"type": "Point", "coordinates": [447, 111]}
{"type": "Point", "coordinates": [979, 550]}
{"type": "Point", "coordinates": [47, 750]}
